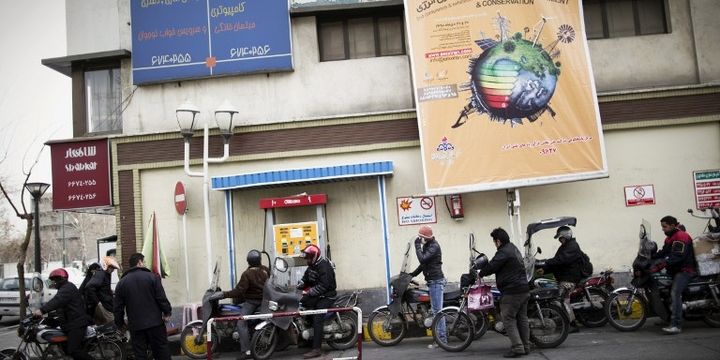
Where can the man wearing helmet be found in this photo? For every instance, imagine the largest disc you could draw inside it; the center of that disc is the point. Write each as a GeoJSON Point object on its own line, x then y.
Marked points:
{"type": "Point", "coordinates": [429, 255]}
{"type": "Point", "coordinates": [98, 294]}
{"type": "Point", "coordinates": [509, 270]}
{"type": "Point", "coordinates": [566, 266]}
{"type": "Point", "coordinates": [249, 292]}
{"type": "Point", "coordinates": [71, 308]}
{"type": "Point", "coordinates": [318, 288]}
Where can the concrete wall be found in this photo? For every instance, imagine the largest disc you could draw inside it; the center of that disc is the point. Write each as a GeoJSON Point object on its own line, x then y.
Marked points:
{"type": "Point", "coordinates": [707, 40]}
{"type": "Point", "coordinates": [93, 26]}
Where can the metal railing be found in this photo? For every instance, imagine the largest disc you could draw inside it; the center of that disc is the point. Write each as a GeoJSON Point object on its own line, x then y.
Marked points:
{"type": "Point", "coordinates": [356, 309]}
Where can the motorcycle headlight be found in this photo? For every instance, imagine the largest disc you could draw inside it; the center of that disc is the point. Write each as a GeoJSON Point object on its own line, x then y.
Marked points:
{"type": "Point", "coordinates": [272, 305]}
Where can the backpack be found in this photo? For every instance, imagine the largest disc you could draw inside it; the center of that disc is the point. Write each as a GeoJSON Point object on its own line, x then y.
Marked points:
{"type": "Point", "coordinates": [586, 267]}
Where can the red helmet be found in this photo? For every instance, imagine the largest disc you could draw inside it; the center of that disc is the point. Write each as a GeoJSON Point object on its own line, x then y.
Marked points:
{"type": "Point", "coordinates": [312, 253]}
{"type": "Point", "coordinates": [58, 273]}
{"type": "Point", "coordinates": [425, 232]}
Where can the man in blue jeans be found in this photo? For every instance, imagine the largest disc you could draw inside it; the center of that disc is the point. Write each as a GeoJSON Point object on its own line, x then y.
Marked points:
{"type": "Point", "coordinates": [429, 255]}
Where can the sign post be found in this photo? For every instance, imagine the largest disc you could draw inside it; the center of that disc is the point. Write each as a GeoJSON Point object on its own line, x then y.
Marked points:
{"type": "Point", "coordinates": [181, 208]}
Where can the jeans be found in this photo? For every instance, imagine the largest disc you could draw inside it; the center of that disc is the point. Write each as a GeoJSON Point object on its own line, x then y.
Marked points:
{"type": "Point", "coordinates": [248, 308]}
{"type": "Point", "coordinates": [436, 288]}
{"type": "Point", "coordinates": [680, 283]}
{"type": "Point", "coordinates": [513, 308]}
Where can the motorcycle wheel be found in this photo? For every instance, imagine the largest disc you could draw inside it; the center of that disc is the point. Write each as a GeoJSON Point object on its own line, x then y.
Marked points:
{"type": "Point", "coordinates": [617, 317]}
{"type": "Point", "coordinates": [263, 342]}
{"type": "Point", "coordinates": [11, 354]}
{"type": "Point", "coordinates": [386, 329]}
{"type": "Point", "coordinates": [349, 332]}
{"type": "Point", "coordinates": [480, 322]}
{"type": "Point", "coordinates": [106, 350]}
{"type": "Point", "coordinates": [594, 317]}
{"type": "Point", "coordinates": [459, 327]}
{"type": "Point", "coordinates": [712, 318]}
{"type": "Point", "coordinates": [552, 330]}
{"type": "Point", "coordinates": [188, 345]}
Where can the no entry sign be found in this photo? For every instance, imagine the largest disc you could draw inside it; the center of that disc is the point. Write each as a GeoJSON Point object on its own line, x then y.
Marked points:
{"type": "Point", "coordinates": [180, 201]}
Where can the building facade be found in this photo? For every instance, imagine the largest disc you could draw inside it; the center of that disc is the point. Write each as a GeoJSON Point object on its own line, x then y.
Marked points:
{"type": "Point", "coordinates": [349, 101]}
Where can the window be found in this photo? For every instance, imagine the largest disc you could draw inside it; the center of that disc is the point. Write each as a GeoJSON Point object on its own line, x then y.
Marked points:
{"type": "Point", "coordinates": [618, 18]}
{"type": "Point", "coordinates": [343, 36]}
{"type": "Point", "coordinates": [103, 100]}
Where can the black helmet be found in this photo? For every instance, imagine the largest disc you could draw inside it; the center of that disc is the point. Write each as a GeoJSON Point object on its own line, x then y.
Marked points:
{"type": "Point", "coordinates": [480, 262]}
{"type": "Point", "coordinates": [253, 258]}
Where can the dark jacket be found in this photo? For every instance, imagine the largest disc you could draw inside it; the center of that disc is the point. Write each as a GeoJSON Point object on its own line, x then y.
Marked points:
{"type": "Point", "coordinates": [250, 286]}
{"type": "Point", "coordinates": [430, 258]}
{"type": "Point", "coordinates": [98, 290]}
{"type": "Point", "coordinates": [678, 253]}
{"type": "Point", "coordinates": [509, 270]}
{"type": "Point", "coordinates": [320, 279]}
{"type": "Point", "coordinates": [70, 306]}
{"type": "Point", "coordinates": [141, 294]}
{"type": "Point", "coordinates": [565, 265]}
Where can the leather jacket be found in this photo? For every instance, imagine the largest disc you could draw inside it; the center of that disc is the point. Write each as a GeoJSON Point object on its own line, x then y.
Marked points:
{"type": "Point", "coordinates": [430, 258]}
{"type": "Point", "coordinates": [509, 270]}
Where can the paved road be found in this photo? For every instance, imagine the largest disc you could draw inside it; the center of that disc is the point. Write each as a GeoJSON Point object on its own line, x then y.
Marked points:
{"type": "Point", "coordinates": [696, 342]}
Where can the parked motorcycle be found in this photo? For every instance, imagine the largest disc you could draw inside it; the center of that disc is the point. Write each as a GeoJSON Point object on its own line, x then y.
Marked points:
{"type": "Point", "coordinates": [409, 304]}
{"type": "Point", "coordinates": [41, 339]}
{"type": "Point", "coordinates": [339, 330]}
{"type": "Point", "coordinates": [650, 293]}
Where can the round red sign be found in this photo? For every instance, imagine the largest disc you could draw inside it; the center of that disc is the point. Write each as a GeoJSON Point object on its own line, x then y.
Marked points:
{"type": "Point", "coordinates": [180, 203]}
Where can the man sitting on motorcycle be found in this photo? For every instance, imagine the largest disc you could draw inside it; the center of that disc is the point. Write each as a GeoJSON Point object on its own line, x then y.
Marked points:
{"type": "Point", "coordinates": [679, 261]}
{"type": "Point", "coordinates": [318, 289]}
{"type": "Point", "coordinates": [565, 265]}
{"type": "Point", "coordinates": [71, 307]}
{"type": "Point", "coordinates": [249, 292]}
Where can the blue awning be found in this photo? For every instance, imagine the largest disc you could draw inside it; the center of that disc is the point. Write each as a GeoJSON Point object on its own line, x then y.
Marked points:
{"type": "Point", "coordinates": [302, 176]}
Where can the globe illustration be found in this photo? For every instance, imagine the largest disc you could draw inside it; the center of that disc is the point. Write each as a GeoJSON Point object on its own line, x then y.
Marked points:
{"type": "Point", "coordinates": [513, 79]}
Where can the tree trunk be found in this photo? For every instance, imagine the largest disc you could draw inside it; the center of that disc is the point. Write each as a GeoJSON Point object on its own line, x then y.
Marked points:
{"type": "Point", "coordinates": [21, 266]}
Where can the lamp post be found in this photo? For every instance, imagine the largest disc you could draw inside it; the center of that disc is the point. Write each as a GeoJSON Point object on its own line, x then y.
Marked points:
{"type": "Point", "coordinates": [36, 190]}
{"type": "Point", "coordinates": [186, 115]}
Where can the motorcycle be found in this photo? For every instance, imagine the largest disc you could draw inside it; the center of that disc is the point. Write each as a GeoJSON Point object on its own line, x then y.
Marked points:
{"type": "Point", "coordinates": [339, 329]}
{"type": "Point", "coordinates": [193, 337]}
{"type": "Point", "coordinates": [41, 338]}
{"type": "Point", "coordinates": [650, 292]}
{"type": "Point", "coordinates": [409, 304]}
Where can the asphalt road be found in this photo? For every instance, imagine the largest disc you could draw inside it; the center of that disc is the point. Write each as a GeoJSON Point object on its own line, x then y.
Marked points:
{"type": "Point", "coordinates": [697, 341]}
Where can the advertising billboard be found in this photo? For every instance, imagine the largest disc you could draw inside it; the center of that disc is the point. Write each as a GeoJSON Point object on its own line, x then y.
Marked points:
{"type": "Point", "coordinates": [505, 94]}
{"type": "Point", "coordinates": [175, 40]}
{"type": "Point", "coordinates": [80, 174]}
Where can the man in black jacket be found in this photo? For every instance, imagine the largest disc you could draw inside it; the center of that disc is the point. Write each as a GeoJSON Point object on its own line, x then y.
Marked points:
{"type": "Point", "coordinates": [565, 265]}
{"type": "Point", "coordinates": [141, 294]}
{"type": "Point", "coordinates": [318, 288]}
{"type": "Point", "coordinates": [429, 254]}
{"type": "Point", "coordinates": [509, 270]}
{"type": "Point", "coordinates": [68, 302]}
{"type": "Point", "coordinates": [98, 292]}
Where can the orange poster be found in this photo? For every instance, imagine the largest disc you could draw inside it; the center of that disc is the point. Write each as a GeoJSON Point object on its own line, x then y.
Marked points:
{"type": "Point", "coordinates": [505, 94]}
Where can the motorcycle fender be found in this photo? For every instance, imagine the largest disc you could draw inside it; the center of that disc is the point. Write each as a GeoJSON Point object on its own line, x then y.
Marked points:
{"type": "Point", "coordinates": [380, 308]}
{"type": "Point", "coordinates": [262, 325]}
{"type": "Point", "coordinates": [622, 289]}
{"type": "Point", "coordinates": [456, 308]}
{"type": "Point", "coordinates": [195, 322]}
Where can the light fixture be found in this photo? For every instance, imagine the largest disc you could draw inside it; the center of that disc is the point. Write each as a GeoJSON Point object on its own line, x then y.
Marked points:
{"type": "Point", "coordinates": [224, 119]}
{"type": "Point", "coordinates": [37, 189]}
{"type": "Point", "coordinates": [186, 114]}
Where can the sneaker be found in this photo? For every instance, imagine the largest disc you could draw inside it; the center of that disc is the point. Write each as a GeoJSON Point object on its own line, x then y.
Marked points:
{"type": "Point", "coordinates": [671, 330]}
{"type": "Point", "coordinates": [512, 354]}
{"type": "Point", "coordinates": [312, 354]}
{"type": "Point", "coordinates": [434, 345]}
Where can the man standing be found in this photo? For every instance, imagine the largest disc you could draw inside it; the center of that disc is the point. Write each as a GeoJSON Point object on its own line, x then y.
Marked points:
{"type": "Point", "coordinates": [141, 294]}
{"type": "Point", "coordinates": [509, 270]}
{"type": "Point", "coordinates": [429, 255]}
{"type": "Point", "coordinates": [249, 292]}
{"type": "Point", "coordinates": [679, 258]}
{"type": "Point", "coordinates": [68, 302]}
{"type": "Point", "coordinates": [566, 266]}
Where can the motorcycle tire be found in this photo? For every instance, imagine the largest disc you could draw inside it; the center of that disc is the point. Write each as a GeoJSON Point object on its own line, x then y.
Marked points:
{"type": "Point", "coordinates": [480, 322]}
{"type": "Point", "coordinates": [188, 345]}
{"type": "Point", "coordinates": [263, 342]}
{"type": "Point", "coordinates": [350, 332]}
{"type": "Point", "coordinates": [712, 318]}
{"type": "Point", "coordinates": [386, 329]}
{"type": "Point", "coordinates": [616, 316]}
{"type": "Point", "coordinates": [12, 354]}
{"type": "Point", "coordinates": [459, 327]}
{"type": "Point", "coordinates": [106, 350]}
{"type": "Point", "coordinates": [593, 317]}
{"type": "Point", "coordinates": [552, 329]}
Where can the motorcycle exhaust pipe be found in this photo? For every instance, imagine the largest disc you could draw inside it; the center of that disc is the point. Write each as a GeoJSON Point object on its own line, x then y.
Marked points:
{"type": "Point", "coordinates": [696, 304]}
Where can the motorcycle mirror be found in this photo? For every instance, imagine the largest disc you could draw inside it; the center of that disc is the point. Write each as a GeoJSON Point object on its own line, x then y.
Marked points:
{"type": "Point", "coordinates": [690, 211]}
{"type": "Point", "coordinates": [643, 231]}
{"type": "Point", "coordinates": [281, 264]}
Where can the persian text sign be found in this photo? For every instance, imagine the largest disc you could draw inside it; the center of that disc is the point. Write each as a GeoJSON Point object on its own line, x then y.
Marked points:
{"type": "Point", "coordinates": [80, 174]}
{"type": "Point", "coordinates": [707, 188]}
{"type": "Point", "coordinates": [416, 210]}
{"type": "Point", "coordinates": [505, 94]}
{"type": "Point", "coordinates": [187, 39]}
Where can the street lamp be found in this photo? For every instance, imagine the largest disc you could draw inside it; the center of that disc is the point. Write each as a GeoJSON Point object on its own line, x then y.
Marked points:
{"type": "Point", "coordinates": [36, 190]}
{"type": "Point", "coordinates": [186, 115]}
